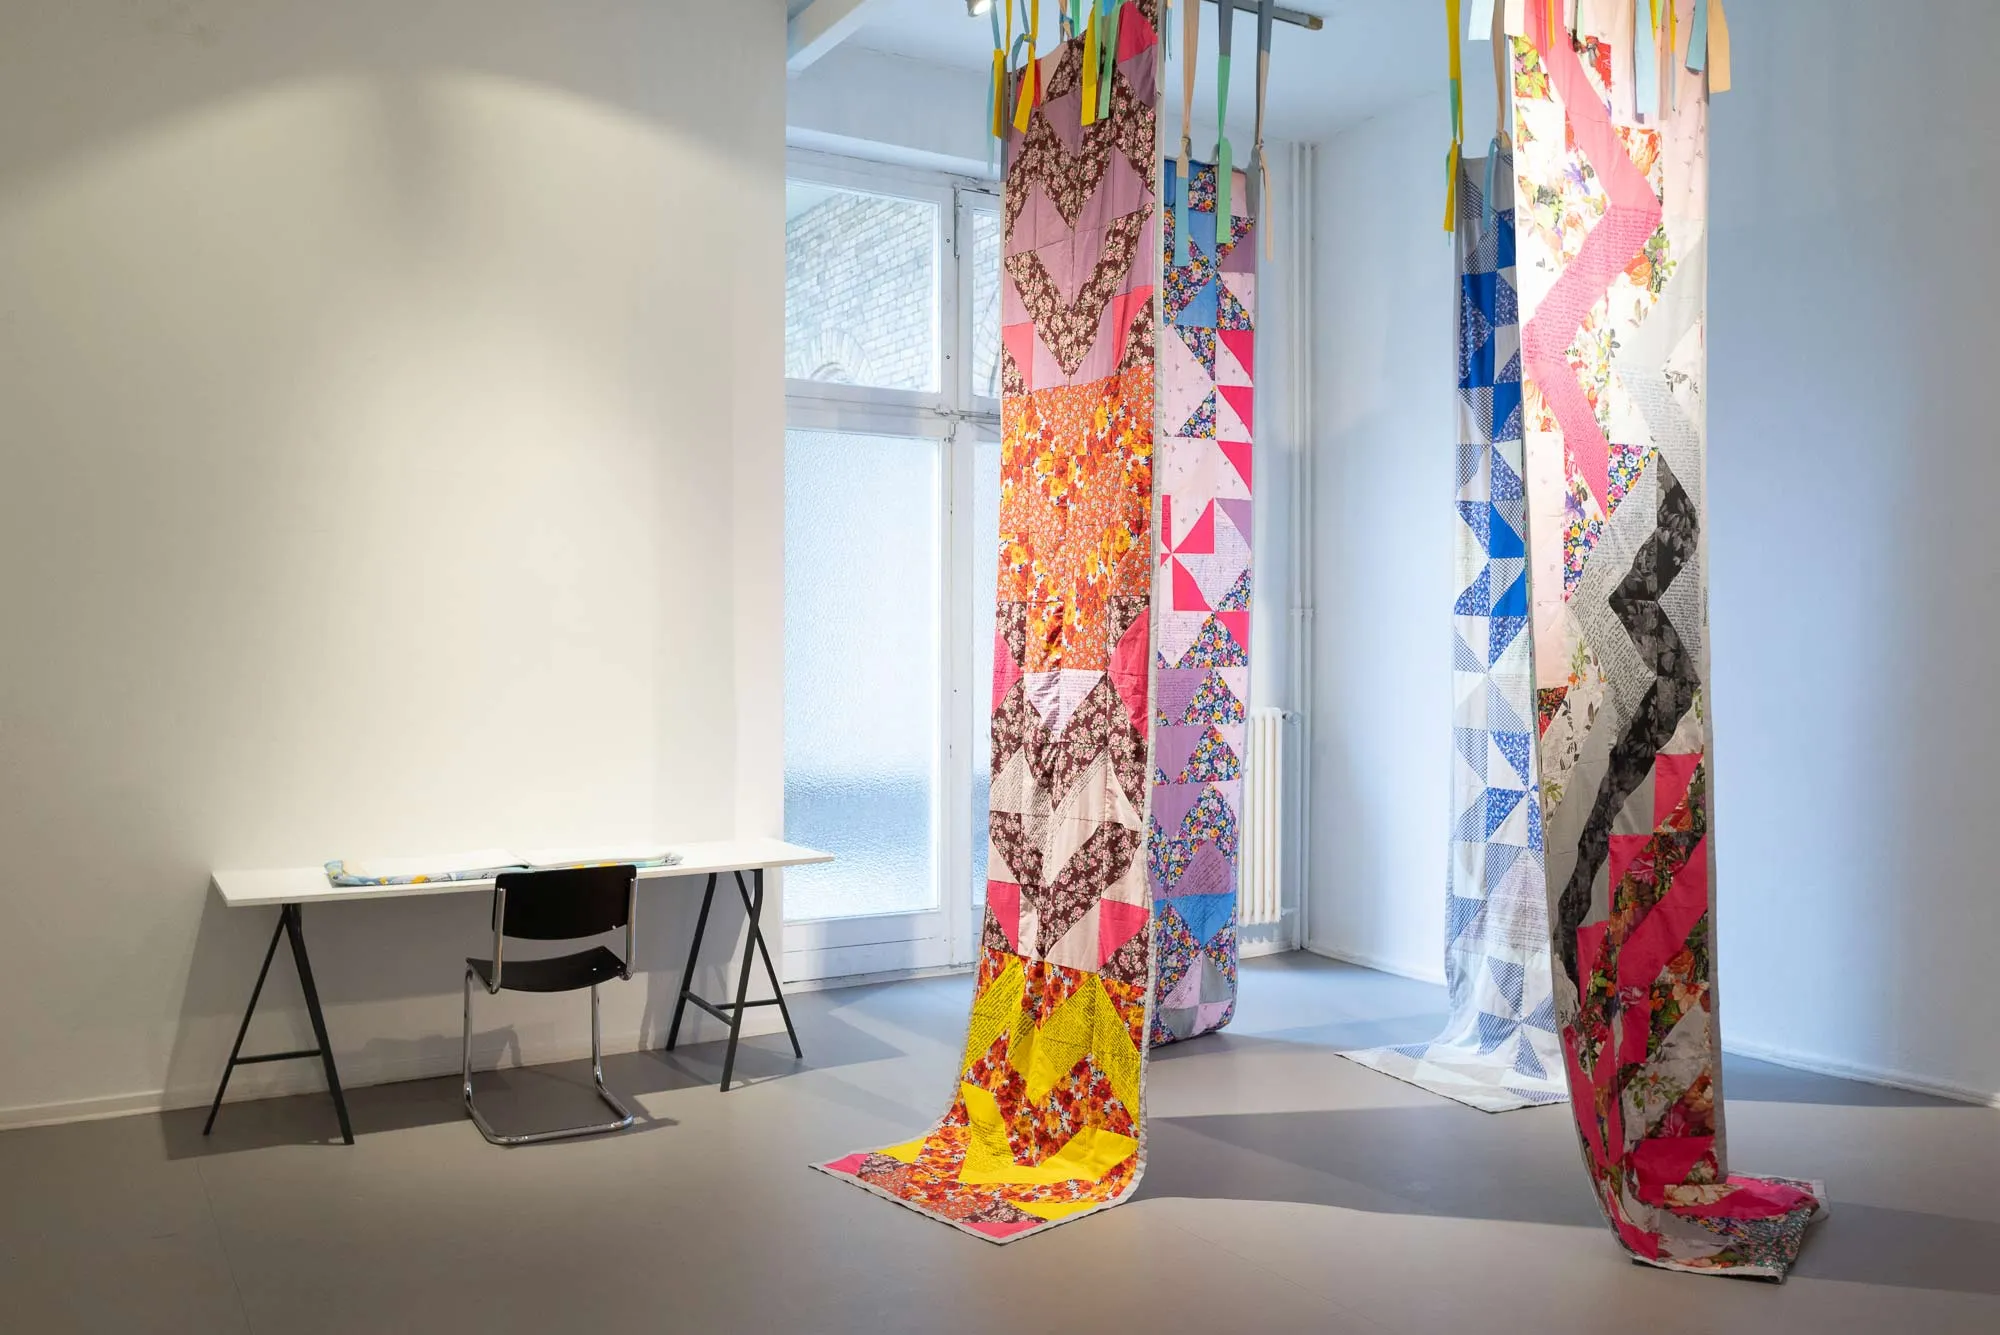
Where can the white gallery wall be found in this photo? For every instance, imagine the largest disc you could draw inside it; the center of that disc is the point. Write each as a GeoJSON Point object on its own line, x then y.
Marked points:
{"type": "Point", "coordinates": [1382, 538]}
{"type": "Point", "coordinates": [1381, 693]}
{"type": "Point", "coordinates": [391, 409]}
{"type": "Point", "coordinates": [892, 108]}
{"type": "Point", "coordinates": [1854, 580]}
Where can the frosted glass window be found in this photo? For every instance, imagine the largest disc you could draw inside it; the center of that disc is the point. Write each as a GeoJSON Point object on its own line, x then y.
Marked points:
{"type": "Point", "coordinates": [985, 582]}
{"type": "Point", "coordinates": [986, 304]}
{"type": "Point", "coordinates": [863, 556]}
{"type": "Point", "coordinates": [861, 288]}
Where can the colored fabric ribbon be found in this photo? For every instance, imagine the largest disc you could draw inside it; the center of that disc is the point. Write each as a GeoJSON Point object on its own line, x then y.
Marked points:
{"type": "Point", "coordinates": [1673, 86]}
{"type": "Point", "coordinates": [1225, 18]}
{"type": "Point", "coordinates": [1496, 33]}
{"type": "Point", "coordinates": [1190, 41]}
{"type": "Point", "coordinates": [996, 90]}
{"type": "Point", "coordinates": [1451, 14]}
{"type": "Point", "coordinates": [1645, 59]}
{"type": "Point", "coordinates": [1718, 48]}
{"type": "Point", "coordinates": [1259, 182]}
{"type": "Point", "coordinates": [1091, 67]}
{"type": "Point", "coordinates": [1031, 73]}
{"type": "Point", "coordinates": [1107, 50]}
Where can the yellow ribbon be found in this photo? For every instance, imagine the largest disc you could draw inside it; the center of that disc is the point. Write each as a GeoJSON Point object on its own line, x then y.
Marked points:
{"type": "Point", "coordinates": [1090, 67]}
{"type": "Point", "coordinates": [999, 126]}
{"type": "Point", "coordinates": [1457, 117]}
{"type": "Point", "coordinates": [1718, 48]}
{"type": "Point", "coordinates": [1031, 80]}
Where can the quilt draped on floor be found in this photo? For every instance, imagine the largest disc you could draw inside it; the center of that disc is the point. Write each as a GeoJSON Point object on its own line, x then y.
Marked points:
{"type": "Point", "coordinates": [1201, 608]}
{"type": "Point", "coordinates": [1612, 229]}
{"type": "Point", "coordinates": [1044, 1123]}
{"type": "Point", "coordinates": [1498, 1049]}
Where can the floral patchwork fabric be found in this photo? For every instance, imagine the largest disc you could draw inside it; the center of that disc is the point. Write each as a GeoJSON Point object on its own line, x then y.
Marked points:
{"type": "Point", "coordinates": [1612, 226]}
{"type": "Point", "coordinates": [1045, 1118]}
{"type": "Point", "coordinates": [1498, 1050]}
{"type": "Point", "coordinates": [1201, 605]}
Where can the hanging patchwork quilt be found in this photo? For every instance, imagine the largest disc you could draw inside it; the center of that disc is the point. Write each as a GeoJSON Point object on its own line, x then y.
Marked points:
{"type": "Point", "coordinates": [1044, 1122]}
{"type": "Point", "coordinates": [1201, 607]}
{"type": "Point", "coordinates": [1498, 1050]}
{"type": "Point", "coordinates": [1612, 187]}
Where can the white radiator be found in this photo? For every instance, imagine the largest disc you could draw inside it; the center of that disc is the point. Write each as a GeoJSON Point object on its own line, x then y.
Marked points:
{"type": "Point", "coordinates": [1259, 897]}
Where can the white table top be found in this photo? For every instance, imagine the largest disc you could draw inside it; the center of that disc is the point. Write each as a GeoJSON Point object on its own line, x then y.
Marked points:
{"type": "Point", "coordinates": [308, 885]}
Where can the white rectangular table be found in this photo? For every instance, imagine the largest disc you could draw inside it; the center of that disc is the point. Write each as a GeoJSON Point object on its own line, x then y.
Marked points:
{"type": "Point", "coordinates": [290, 889]}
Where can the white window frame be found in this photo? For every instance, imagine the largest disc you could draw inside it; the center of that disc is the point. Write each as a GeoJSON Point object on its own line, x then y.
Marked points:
{"type": "Point", "coordinates": [954, 417]}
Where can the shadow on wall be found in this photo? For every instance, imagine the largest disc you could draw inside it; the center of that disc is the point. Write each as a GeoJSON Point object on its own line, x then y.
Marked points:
{"type": "Point", "coordinates": [362, 380]}
{"type": "Point", "coordinates": [210, 52]}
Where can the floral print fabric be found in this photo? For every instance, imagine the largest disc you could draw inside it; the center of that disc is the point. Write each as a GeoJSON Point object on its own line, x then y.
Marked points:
{"type": "Point", "coordinates": [1201, 602]}
{"type": "Point", "coordinates": [1498, 1050]}
{"type": "Point", "coordinates": [1045, 1121]}
{"type": "Point", "coordinates": [1612, 220]}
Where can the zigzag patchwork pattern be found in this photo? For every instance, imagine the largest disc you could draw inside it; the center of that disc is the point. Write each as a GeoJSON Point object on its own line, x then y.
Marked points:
{"type": "Point", "coordinates": [1201, 606]}
{"type": "Point", "coordinates": [1047, 1048]}
{"type": "Point", "coordinates": [1062, 162]}
{"type": "Point", "coordinates": [1498, 1049]}
{"type": "Point", "coordinates": [1079, 202]}
{"type": "Point", "coordinates": [1066, 883]}
{"type": "Point", "coordinates": [1612, 344]}
{"type": "Point", "coordinates": [1044, 1122]}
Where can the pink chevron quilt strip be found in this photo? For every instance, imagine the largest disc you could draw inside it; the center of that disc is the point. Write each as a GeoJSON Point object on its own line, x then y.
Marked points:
{"type": "Point", "coordinates": [1611, 233]}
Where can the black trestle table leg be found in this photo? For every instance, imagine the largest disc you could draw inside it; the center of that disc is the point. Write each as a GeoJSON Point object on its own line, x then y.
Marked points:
{"type": "Point", "coordinates": [290, 924]}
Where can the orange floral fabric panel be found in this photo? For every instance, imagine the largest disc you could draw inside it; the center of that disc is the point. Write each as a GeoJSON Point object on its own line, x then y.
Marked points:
{"type": "Point", "coordinates": [1075, 508]}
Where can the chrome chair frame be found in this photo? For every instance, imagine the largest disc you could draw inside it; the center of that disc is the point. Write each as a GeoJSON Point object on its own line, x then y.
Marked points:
{"type": "Point", "coordinates": [626, 1117]}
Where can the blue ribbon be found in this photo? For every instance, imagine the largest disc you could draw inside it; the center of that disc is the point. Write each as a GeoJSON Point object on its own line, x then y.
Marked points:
{"type": "Point", "coordinates": [996, 90]}
{"type": "Point", "coordinates": [1645, 61]}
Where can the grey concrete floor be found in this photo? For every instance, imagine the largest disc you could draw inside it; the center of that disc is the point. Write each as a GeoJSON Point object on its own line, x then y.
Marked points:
{"type": "Point", "coordinates": [1288, 1190]}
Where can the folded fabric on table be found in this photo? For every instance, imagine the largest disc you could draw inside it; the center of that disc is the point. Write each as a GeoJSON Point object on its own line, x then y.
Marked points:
{"type": "Point", "coordinates": [606, 855]}
{"type": "Point", "coordinates": [479, 865]}
{"type": "Point", "coordinates": [486, 863]}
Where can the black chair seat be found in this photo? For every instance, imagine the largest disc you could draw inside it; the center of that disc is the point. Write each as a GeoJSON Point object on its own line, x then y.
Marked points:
{"type": "Point", "coordinates": [563, 973]}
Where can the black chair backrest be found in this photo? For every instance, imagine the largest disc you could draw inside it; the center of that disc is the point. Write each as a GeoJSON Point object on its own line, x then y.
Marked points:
{"type": "Point", "coordinates": [566, 904]}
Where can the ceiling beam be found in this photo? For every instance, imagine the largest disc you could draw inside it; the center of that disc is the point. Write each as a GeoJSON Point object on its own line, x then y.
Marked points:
{"type": "Point", "coordinates": [820, 27]}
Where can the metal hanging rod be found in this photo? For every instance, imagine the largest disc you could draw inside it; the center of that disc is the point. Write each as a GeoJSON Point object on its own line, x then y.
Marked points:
{"type": "Point", "coordinates": [1297, 18]}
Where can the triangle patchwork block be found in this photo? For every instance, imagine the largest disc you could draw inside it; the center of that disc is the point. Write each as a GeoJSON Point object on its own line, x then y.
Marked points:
{"type": "Point", "coordinates": [1239, 401]}
{"type": "Point", "coordinates": [1241, 345]}
{"type": "Point", "coordinates": [1239, 458]}
{"type": "Point", "coordinates": [1187, 593]}
{"type": "Point", "coordinates": [1198, 539]}
{"type": "Point", "coordinates": [1205, 915]}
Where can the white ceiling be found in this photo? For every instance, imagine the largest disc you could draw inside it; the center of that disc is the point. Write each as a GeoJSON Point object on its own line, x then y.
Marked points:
{"type": "Point", "coordinates": [1370, 56]}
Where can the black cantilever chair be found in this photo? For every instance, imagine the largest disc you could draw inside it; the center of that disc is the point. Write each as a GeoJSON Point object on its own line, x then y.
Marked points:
{"type": "Point", "coordinates": [557, 906]}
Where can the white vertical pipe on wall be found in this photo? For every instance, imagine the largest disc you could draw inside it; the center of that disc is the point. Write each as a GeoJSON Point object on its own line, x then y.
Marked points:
{"type": "Point", "coordinates": [1298, 242]}
{"type": "Point", "coordinates": [1260, 897]}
